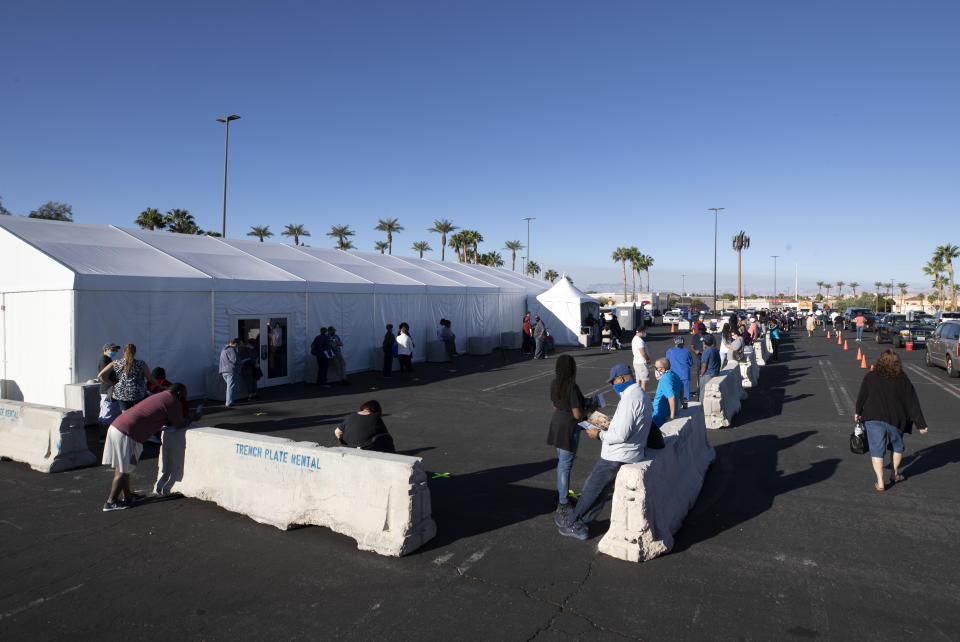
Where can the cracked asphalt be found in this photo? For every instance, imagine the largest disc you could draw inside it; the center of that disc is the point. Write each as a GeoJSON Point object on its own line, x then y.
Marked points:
{"type": "Point", "coordinates": [788, 539]}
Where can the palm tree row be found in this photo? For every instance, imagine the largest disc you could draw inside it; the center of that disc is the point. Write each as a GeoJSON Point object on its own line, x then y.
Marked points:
{"type": "Point", "coordinates": [639, 262]}
{"type": "Point", "coordinates": [940, 269]}
{"type": "Point", "coordinates": [178, 221]}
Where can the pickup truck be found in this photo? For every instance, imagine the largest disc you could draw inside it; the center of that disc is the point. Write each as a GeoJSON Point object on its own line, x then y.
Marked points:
{"type": "Point", "coordinates": [897, 330]}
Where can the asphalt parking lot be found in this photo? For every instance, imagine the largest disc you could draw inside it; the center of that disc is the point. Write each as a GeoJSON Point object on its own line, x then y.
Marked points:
{"type": "Point", "coordinates": [788, 539]}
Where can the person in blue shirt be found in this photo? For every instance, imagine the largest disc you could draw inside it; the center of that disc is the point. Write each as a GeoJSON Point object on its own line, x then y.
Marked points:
{"type": "Point", "coordinates": [681, 361]}
{"type": "Point", "coordinates": [709, 362]}
{"type": "Point", "coordinates": [775, 339]}
{"type": "Point", "coordinates": [669, 393]}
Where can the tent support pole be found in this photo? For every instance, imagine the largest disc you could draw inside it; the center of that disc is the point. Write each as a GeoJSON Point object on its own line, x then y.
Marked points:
{"type": "Point", "coordinates": [75, 338]}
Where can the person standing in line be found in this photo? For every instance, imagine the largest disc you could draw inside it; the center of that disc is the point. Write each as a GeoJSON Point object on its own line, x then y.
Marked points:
{"type": "Point", "coordinates": [774, 332]}
{"type": "Point", "coordinates": [624, 442]}
{"type": "Point", "coordinates": [696, 350]}
{"type": "Point", "coordinates": [861, 322]}
{"type": "Point", "coordinates": [388, 345]}
{"type": "Point", "coordinates": [132, 376]}
{"type": "Point", "coordinates": [811, 325]}
{"type": "Point", "coordinates": [527, 335]}
{"type": "Point", "coordinates": [109, 409]}
{"type": "Point", "coordinates": [322, 351]}
{"type": "Point", "coordinates": [339, 365]}
{"type": "Point", "coordinates": [709, 363]}
{"type": "Point", "coordinates": [229, 369]}
{"type": "Point", "coordinates": [680, 364]}
{"type": "Point", "coordinates": [540, 337]}
{"type": "Point", "coordinates": [888, 406]}
{"type": "Point", "coordinates": [569, 408]}
{"type": "Point", "coordinates": [405, 348]}
{"type": "Point", "coordinates": [641, 360]}
{"type": "Point", "coordinates": [449, 339]}
{"type": "Point", "coordinates": [249, 366]}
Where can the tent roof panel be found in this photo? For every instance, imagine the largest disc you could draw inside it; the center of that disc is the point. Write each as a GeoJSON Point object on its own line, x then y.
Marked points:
{"type": "Point", "coordinates": [466, 271]}
{"type": "Point", "coordinates": [352, 262]}
{"type": "Point", "coordinates": [320, 275]}
{"type": "Point", "coordinates": [415, 272]}
{"type": "Point", "coordinates": [448, 272]}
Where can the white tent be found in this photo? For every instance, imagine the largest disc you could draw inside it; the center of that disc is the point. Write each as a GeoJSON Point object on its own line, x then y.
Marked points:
{"type": "Point", "coordinates": [563, 308]}
{"type": "Point", "coordinates": [68, 288]}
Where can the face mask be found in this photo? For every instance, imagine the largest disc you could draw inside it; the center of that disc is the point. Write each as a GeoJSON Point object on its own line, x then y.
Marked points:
{"type": "Point", "coordinates": [658, 374]}
{"type": "Point", "coordinates": [113, 354]}
{"type": "Point", "coordinates": [620, 387]}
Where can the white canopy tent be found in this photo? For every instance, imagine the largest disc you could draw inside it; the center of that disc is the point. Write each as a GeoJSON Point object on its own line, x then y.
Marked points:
{"type": "Point", "coordinates": [68, 288]}
{"type": "Point", "coordinates": [563, 309]}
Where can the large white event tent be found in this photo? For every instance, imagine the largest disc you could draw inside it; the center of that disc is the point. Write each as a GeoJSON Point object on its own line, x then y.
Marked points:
{"type": "Point", "coordinates": [563, 309]}
{"type": "Point", "coordinates": [68, 288]}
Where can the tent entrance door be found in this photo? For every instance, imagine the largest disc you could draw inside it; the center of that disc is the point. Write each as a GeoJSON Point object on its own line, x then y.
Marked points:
{"type": "Point", "coordinates": [267, 344]}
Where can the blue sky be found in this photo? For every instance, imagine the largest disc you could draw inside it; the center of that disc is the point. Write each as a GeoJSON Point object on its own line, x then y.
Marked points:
{"type": "Point", "coordinates": [828, 130]}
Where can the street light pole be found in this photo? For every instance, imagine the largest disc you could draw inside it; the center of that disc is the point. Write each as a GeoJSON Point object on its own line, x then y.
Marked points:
{"type": "Point", "coordinates": [715, 211]}
{"type": "Point", "coordinates": [528, 219]}
{"type": "Point", "coordinates": [774, 257]}
{"type": "Point", "coordinates": [683, 285]}
{"type": "Point", "coordinates": [226, 146]}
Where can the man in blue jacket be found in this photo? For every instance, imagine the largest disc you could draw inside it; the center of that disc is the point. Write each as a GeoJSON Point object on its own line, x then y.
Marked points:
{"type": "Point", "coordinates": [680, 363]}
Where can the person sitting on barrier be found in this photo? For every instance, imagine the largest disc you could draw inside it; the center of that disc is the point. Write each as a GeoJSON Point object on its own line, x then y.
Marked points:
{"type": "Point", "coordinates": [569, 408]}
{"type": "Point", "coordinates": [365, 429]}
{"type": "Point", "coordinates": [669, 393]}
{"type": "Point", "coordinates": [681, 362]}
{"type": "Point", "coordinates": [623, 443]}
{"type": "Point", "coordinates": [128, 432]}
{"type": "Point", "coordinates": [732, 346]}
{"type": "Point", "coordinates": [709, 363]}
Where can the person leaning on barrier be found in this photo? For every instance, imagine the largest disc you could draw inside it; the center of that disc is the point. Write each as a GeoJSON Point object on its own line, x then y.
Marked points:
{"type": "Point", "coordinates": [709, 363]}
{"type": "Point", "coordinates": [623, 443]}
{"type": "Point", "coordinates": [888, 406]}
{"type": "Point", "coordinates": [681, 361]}
{"type": "Point", "coordinates": [669, 393]}
{"type": "Point", "coordinates": [365, 429]}
{"type": "Point", "coordinates": [128, 432]}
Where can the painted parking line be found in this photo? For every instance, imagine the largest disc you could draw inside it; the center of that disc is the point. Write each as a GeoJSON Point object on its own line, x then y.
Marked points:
{"type": "Point", "coordinates": [917, 370]}
{"type": "Point", "coordinates": [545, 373]}
{"type": "Point", "coordinates": [834, 395]}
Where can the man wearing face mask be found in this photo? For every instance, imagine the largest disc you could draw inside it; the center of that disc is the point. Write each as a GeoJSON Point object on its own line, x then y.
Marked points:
{"type": "Point", "coordinates": [109, 409]}
{"type": "Point", "coordinates": [669, 393]}
{"type": "Point", "coordinates": [623, 443]}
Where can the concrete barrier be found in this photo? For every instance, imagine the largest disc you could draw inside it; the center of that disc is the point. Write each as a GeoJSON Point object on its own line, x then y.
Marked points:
{"type": "Point", "coordinates": [652, 497]}
{"type": "Point", "coordinates": [511, 340]}
{"type": "Point", "coordinates": [479, 345]}
{"type": "Point", "coordinates": [749, 370]}
{"type": "Point", "coordinates": [380, 500]}
{"type": "Point", "coordinates": [48, 438]}
{"type": "Point", "coordinates": [437, 352]}
{"type": "Point", "coordinates": [684, 326]}
{"type": "Point", "coordinates": [721, 398]}
{"type": "Point", "coordinates": [762, 352]}
{"type": "Point", "coordinates": [84, 397]}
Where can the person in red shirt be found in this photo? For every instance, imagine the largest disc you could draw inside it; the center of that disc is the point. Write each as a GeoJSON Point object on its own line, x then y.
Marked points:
{"type": "Point", "coordinates": [527, 335]}
{"type": "Point", "coordinates": [127, 433]}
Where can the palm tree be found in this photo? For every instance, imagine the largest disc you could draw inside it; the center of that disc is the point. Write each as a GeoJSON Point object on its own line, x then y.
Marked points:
{"type": "Point", "coordinates": [340, 232]}
{"type": "Point", "coordinates": [533, 268]}
{"type": "Point", "coordinates": [260, 231]}
{"type": "Point", "coordinates": [903, 292]}
{"type": "Point", "coordinates": [422, 246]}
{"type": "Point", "coordinates": [741, 242]}
{"type": "Point", "coordinates": [389, 225]}
{"type": "Point", "coordinates": [442, 227]}
{"type": "Point", "coordinates": [459, 243]}
{"type": "Point", "coordinates": [853, 286]}
{"type": "Point", "coordinates": [150, 219]}
{"type": "Point", "coordinates": [550, 275]}
{"type": "Point", "coordinates": [934, 268]}
{"type": "Point", "coordinates": [472, 237]}
{"type": "Point", "coordinates": [513, 246]}
{"type": "Point", "coordinates": [622, 254]}
{"type": "Point", "coordinates": [840, 285]}
{"type": "Point", "coordinates": [348, 245]}
{"type": "Point", "coordinates": [947, 253]}
{"type": "Point", "coordinates": [381, 246]}
{"type": "Point", "coordinates": [827, 286]}
{"type": "Point", "coordinates": [493, 259]}
{"type": "Point", "coordinates": [296, 231]}
{"type": "Point", "coordinates": [819, 287]}
{"type": "Point", "coordinates": [878, 285]}
{"type": "Point", "coordinates": [646, 262]}
{"type": "Point", "coordinates": [633, 255]}
{"type": "Point", "coordinates": [180, 222]}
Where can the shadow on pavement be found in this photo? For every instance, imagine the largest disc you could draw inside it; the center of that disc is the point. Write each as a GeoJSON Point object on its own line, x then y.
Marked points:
{"type": "Point", "coordinates": [931, 458]}
{"type": "Point", "coordinates": [743, 482]}
{"type": "Point", "coordinates": [474, 503]}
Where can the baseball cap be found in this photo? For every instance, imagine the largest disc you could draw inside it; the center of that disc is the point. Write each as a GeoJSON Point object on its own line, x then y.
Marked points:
{"type": "Point", "coordinates": [619, 370]}
{"type": "Point", "coordinates": [110, 346]}
{"type": "Point", "coordinates": [708, 339]}
{"type": "Point", "coordinates": [678, 341]}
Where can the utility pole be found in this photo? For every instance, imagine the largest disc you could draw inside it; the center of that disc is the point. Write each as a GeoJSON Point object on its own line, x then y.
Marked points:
{"type": "Point", "coordinates": [527, 262]}
{"type": "Point", "coordinates": [226, 146]}
{"type": "Point", "coordinates": [774, 257]}
{"type": "Point", "coordinates": [716, 210]}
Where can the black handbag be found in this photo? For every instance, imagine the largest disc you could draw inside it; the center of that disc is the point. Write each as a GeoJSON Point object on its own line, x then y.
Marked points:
{"type": "Point", "coordinates": [858, 443]}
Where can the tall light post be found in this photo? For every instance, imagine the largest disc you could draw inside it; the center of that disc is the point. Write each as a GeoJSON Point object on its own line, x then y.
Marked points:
{"type": "Point", "coordinates": [774, 257]}
{"type": "Point", "coordinates": [716, 210]}
{"type": "Point", "coordinates": [527, 262]}
{"type": "Point", "coordinates": [226, 146]}
{"type": "Point", "coordinates": [683, 285]}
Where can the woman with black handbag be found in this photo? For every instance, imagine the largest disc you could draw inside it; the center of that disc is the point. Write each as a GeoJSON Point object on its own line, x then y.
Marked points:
{"type": "Point", "coordinates": [888, 406]}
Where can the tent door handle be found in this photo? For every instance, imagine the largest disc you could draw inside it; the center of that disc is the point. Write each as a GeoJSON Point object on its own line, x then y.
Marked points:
{"type": "Point", "coordinates": [263, 353]}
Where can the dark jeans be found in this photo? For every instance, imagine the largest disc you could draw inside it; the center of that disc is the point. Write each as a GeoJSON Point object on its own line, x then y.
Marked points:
{"type": "Point", "coordinates": [594, 491]}
{"type": "Point", "coordinates": [322, 365]}
{"type": "Point", "coordinates": [387, 363]}
{"type": "Point", "coordinates": [541, 352]}
{"type": "Point", "coordinates": [406, 363]}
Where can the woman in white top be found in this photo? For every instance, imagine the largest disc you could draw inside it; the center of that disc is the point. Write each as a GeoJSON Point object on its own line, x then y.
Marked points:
{"type": "Point", "coordinates": [729, 344]}
{"type": "Point", "coordinates": [405, 348]}
{"type": "Point", "coordinates": [641, 360]}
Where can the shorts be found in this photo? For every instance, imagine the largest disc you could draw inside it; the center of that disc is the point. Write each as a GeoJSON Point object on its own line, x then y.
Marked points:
{"type": "Point", "coordinates": [640, 371]}
{"type": "Point", "coordinates": [121, 451]}
{"type": "Point", "coordinates": [109, 410]}
{"type": "Point", "coordinates": [877, 434]}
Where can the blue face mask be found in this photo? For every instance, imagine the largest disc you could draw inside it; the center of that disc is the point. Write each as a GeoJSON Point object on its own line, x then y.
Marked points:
{"type": "Point", "coordinates": [620, 387]}
{"type": "Point", "coordinates": [113, 355]}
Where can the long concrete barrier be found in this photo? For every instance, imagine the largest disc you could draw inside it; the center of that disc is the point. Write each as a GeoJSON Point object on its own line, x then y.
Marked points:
{"type": "Point", "coordinates": [380, 500]}
{"type": "Point", "coordinates": [48, 438]}
{"type": "Point", "coordinates": [652, 497]}
{"type": "Point", "coordinates": [721, 397]}
{"type": "Point", "coordinates": [749, 370]}
{"type": "Point", "coordinates": [762, 352]}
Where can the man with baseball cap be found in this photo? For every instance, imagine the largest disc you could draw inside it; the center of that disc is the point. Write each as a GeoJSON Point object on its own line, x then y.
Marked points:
{"type": "Point", "coordinates": [681, 361]}
{"type": "Point", "coordinates": [109, 409]}
{"type": "Point", "coordinates": [623, 443]}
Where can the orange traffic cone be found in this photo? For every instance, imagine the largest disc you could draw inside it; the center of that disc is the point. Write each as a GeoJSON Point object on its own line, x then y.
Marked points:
{"type": "Point", "coordinates": [863, 363]}
{"type": "Point", "coordinates": [838, 339]}
{"type": "Point", "coordinates": [828, 334]}
{"type": "Point", "coordinates": [672, 328]}
{"type": "Point", "coordinates": [844, 345]}
{"type": "Point", "coordinates": [871, 367]}
{"type": "Point", "coordinates": [859, 354]}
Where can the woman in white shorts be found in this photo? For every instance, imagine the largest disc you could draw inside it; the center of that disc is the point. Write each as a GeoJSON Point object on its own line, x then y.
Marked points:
{"type": "Point", "coordinates": [640, 358]}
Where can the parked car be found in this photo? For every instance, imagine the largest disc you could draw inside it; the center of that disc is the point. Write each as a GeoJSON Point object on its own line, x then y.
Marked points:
{"type": "Point", "coordinates": [943, 347]}
{"type": "Point", "coordinates": [897, 330]}
{"type": "Point", "coordinates": [850, 317]}
{"type": "Point", "coordinates": [673, 316]}
{"type": "Point", "coordinates": [940, 316]}
{"type": "Point", "coordinates": [850, 323]}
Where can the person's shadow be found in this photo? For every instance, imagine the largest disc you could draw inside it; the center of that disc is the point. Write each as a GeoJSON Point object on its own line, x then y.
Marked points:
{"type": "Point", "coordinates": [743, 482]}
{"type": "Point", "coordinates": [931, 458]}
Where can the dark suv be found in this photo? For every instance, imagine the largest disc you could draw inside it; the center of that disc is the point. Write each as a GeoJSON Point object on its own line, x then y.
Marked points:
{"type": "Point", "coordinates": [897, 330]}
{"type": "Point", "coordinates": [943, 347]}
{"type": "Point", "coordinates": [850, 321]}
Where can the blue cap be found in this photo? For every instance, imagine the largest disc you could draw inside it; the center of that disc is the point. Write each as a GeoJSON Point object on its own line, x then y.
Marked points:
{"type": "Point", "coordinates": [708, 339]}
{"type": "Point", "coordinates": [619, 370]}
